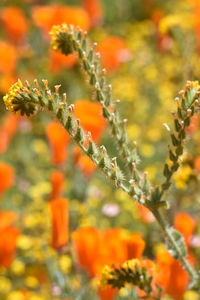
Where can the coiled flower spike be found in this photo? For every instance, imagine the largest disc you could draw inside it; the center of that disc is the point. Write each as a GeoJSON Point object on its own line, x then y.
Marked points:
{"type": "Point", "coordinates": [19, 99]}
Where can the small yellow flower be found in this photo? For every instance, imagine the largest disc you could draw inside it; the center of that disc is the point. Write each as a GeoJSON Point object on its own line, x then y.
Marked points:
{"type": "Point", "coordinates": [182, 176]}
{"type": "Point", "coordinates": [31, 282]}
{"type": "Point", "coordinates": [24, 242]}
{"type": "Point", "coordinates": [55, 31]}
{"type": "Point", "coordinates": [65, 263]}
{"type": "Point", "coordinates": [105, 276]}
{"type": "Point", "coordinates": [10, 96]}
{"type": "Point", "coordinates": [5, 285]}
{"type": "Point", "coordinates": [17, 267]}
{"type": "Point", "coordinates": [15, 295]}
{"type": "Point", "coordinates": [131, 264]}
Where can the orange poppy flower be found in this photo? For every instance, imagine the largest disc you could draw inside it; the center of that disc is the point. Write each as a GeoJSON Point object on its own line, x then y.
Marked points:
{"type": "Point", "coordinates": [94, 9]}
{"type": "Point", "coordinates": [59, 61]}
{"type": "Point", "coordinates": [135, 246]}
{"type": "Point", "coordinates": [6, 81]}
{"type": "Point", "coordinates": [58, 139]}
{"type": "Point", "coordinates": [185, 224]}
{"type": "Point", "coordinates": [91, 119]}
{"type": "Point", "coordinates": [15, 23]}
{"type": "Point", "coordinates": [107, 293]}
{"type": "Point", "coordinates": [111, 249]}
{"type": "Point", "coordinates": [113, 52]}
{"type": "Point", "coordinates": [7, 218]}
{"type": "Point", "coordinates": [86, 242]}
{"type": "Point", "coordinates": [76, 16]}
{"type": "Point", "coordinates": [178, 281]}
{"type": "Point", "coordinates": [60, 220]}
{"type": "Point", "coordinates": [8, 238]}
{"type": "Point", "coordinates": [170, 275]}
{"type": "Point", "coordinates": [6, 177]}
{"type": "Point", "coordinates": [11, 124]}
{"type": "Point", "coordinates": [95, 248]}
{"type": "Point", "coordinates": [47, 16]}
{"type": "Point", "coordinates": [57, 182]}
{"type": "Point", "coordinates": [8, 56]}
{"type": "Point", "coordinates": [7, 130]}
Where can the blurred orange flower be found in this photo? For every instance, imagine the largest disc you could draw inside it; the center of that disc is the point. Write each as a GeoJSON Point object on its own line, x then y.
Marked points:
{"type": "Point", "coordinates": [95, 248]}
{"type": "Point", "coordinates": [185, 224]}
{"type": "Point", "coordinates": [14, 22]}
{"type": "Point", "coordinates": [8, 238]}
{"type": "Point", "coordinates": [135, 246]}
{"type": "Point", "coordinates": [107, 293]}
{"type": "Point", "coordinates": [59, 61]}
{"type": "Point", "coordinates": [58, 139]}
{"type": "Point", "coordinates": [7, 130]}
{"type": "Point", "coordinates": [47, 16]}
{"type": "Point", "coordinates": [94, 9]}
{"type": "Point", "coordinates": [60, 220]}
{"type": "Point", "coordinates": [8, 56]}
{"type": "Point", "coordinates": [57, 182]}
{"type": "Point", "coordinates": [6, 177]}
{"type": "Point", "coordinates": [6, 80]}
{"type": "Point", "coordinates": [113, 52]}
{"type": "Point", "coordinates": [91, 119]}
{"type": "Point", "coordinates": [86, 243]}
{"type": "Point", "coordinates": [170, 275]}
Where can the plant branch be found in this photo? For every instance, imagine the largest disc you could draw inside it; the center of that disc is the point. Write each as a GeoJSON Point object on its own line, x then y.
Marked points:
{"type": "Point", "coordinates": [69, 39]}
{"type": "Point", "coordinates": [187, 105]}
{"type": "Point", "coordinates": [27, 99]}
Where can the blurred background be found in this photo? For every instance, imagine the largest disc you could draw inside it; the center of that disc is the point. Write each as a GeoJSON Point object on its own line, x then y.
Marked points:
{"type": "Point", "coordinates": [150, 48]}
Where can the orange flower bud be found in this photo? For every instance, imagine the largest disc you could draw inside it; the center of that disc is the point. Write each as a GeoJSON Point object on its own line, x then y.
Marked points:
{"type": "Point", "coordinates": [57, 181]}
{"type": "Point", "coordinates": [6, 177]}
{"type": "Point", "coordinates": [60, 220]}
{"type": "Point", "coordinates": [8, 238]}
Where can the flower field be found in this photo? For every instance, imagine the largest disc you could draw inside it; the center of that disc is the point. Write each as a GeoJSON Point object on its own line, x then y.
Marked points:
{"type": "Point", "coordinates": [99, 149]}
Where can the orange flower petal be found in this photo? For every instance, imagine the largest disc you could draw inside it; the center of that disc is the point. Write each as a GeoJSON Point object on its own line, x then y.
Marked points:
{"type": "Point", "coordinates": [60, 220]}
{"type": "Point", "coordinates": [6, 177]}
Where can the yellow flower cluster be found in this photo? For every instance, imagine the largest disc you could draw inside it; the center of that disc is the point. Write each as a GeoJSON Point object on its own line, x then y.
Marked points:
{"type": "Point", "coordinates": [105, 276]}
{"type": "Point", "coordinates": [56, 29]}
{"type": "Point", "coordinates": [182, 176]}
{"type": "Point", "coordinates": [10, 96]}
{"type": "Point", "coordinates": [131, 264]}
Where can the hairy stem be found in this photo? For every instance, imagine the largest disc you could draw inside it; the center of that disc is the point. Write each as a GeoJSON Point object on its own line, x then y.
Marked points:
{"type": "Point", "coordinates": [27, 100]}
{"type": "Point", "coordinates": [167, 232]}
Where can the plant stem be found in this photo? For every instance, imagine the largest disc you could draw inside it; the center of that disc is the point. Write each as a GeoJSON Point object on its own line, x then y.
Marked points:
{"type": "Point", "coordinates": [167, 233]}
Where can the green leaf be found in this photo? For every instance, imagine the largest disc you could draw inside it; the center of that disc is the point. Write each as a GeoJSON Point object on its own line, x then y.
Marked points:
{"type": "Point", "coordinates": [179, 239]}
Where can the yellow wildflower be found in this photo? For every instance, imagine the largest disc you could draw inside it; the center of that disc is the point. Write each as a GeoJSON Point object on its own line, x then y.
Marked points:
{"type": "Point", "coordinates": [55, 31]}
{"type": "Point", "coordinates": [10, 96]}
{"type": "Point", "coordinates": [105, 276]}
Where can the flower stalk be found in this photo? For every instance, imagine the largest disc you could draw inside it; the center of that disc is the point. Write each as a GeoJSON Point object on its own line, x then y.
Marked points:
{"type": "Point", "coordinates": [27, 100]}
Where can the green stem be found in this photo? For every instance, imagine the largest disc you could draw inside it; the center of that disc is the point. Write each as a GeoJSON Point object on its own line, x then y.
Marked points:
{"type": "Point", "coordinates": [28, 99]}
{"type": "Point", "coordinates": [167, 233]}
